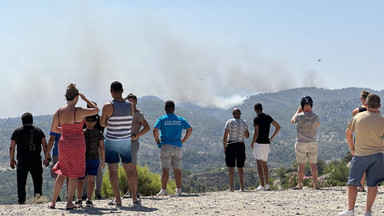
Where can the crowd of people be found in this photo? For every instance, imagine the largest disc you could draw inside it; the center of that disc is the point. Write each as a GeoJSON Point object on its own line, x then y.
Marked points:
{"type": "Point", "coordinates": [82, 142]}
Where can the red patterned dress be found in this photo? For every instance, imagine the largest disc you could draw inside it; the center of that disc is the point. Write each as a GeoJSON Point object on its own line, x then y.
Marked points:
{"type": "Point", "coordinates": [71, 150]}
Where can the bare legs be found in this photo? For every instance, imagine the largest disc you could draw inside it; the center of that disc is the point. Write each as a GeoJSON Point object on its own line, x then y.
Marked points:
{"type": "Point", "coordinates": [231, 173]}
{"type": "Point", "coordinates": [262, 170]}
{"type": "Point", "coordinates": [114, 179]}
{"type": "Point", "coordinates": [300, 176]}
{"type": "Point", "coordinates": [165, 177]}
{"type": "Point", "coordinates": [352, 194]}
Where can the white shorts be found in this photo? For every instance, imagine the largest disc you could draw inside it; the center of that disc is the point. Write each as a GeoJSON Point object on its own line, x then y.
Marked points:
{"type": "Point", "coordinates": [260, 151]}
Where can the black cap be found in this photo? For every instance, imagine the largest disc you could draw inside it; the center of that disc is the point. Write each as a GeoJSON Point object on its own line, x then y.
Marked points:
{"type": "Point", "coordinates": [92, 118]}
{"type": "Point", "coordinates": [306, 100]}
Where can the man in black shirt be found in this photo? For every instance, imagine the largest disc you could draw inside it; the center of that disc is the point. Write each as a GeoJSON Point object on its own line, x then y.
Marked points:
{"type": "Point", "coordinates": [29, 140]}
{"type": "Point", "coordinates": [260, 143]}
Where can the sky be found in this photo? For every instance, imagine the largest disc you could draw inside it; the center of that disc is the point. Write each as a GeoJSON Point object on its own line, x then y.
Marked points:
{"type": "Point", "coordinates": [212, 53]}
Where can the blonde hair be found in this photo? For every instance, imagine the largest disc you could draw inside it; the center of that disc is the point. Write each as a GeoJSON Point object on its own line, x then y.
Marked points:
{"type": "Point", "coordinates": [71, 92]}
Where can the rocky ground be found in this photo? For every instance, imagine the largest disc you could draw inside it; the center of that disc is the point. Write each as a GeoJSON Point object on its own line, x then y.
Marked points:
{"type": "Point", "coordinates": [327, 201]}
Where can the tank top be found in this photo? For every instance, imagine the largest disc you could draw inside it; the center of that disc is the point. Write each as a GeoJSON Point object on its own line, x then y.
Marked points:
{"type": "Point", "coordinates": [119, 124]}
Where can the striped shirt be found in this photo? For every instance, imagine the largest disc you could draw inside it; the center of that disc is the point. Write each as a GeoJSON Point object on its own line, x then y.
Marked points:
{"type": "Point", "coordinates": [119, 124]}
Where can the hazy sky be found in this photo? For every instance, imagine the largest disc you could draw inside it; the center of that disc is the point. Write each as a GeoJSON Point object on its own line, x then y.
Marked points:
{"type": "Point", "coordinates": [213, 53]}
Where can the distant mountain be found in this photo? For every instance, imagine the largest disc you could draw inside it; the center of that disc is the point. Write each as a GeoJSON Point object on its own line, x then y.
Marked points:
{"type": "Point", "coordinates": [204, 149]}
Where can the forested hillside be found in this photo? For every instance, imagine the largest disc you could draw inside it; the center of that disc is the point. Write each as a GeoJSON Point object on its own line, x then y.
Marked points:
{"type": "Point", "coordinates": [204, 149]}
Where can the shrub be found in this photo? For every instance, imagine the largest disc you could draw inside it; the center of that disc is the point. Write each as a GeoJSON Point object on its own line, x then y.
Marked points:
{"type": "Point", "coordinates": [149, 183]}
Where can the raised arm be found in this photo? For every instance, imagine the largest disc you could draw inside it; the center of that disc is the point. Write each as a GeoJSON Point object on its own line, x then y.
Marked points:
{"type": "Point", "coordinates": [299, 110]}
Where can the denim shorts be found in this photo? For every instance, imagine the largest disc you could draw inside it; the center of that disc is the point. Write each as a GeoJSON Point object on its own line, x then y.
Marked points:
{"type": "Point", "coordinates": [116, 149]}
{"type": "Point", "coordinates": [370, 164]}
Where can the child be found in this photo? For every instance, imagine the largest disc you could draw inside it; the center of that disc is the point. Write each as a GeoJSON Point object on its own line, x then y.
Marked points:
{"type": "Point", "coordinates": [94, 139]}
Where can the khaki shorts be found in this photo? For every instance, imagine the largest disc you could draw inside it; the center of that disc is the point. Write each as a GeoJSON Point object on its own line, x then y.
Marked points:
{"type": "Point", "coordinates": [306, 152]}
{"type": "Point", "coordinates": [170, 156]}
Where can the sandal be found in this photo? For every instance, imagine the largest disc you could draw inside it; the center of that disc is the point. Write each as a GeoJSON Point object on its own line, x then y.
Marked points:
{"type": "Point", "coordinates": [298, 187]}
{"type": "Point", "coordinates": [113, 202]}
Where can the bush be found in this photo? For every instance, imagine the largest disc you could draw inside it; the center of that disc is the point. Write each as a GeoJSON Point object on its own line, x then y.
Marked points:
{"type": "Point", "coordinates": [149, 183]}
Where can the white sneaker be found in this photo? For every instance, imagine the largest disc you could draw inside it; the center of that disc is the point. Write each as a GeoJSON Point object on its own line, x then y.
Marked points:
{"type": "Point", "coordinates": [347, 212]}
{"type": "Point", "coordinates": [178, 191]}
{"type": "Point", "coordinates": [163, 192]}
{"type": "Point", "coordinates": [260, 188]}
{"type": "Point", "coordinates": [267, 187]}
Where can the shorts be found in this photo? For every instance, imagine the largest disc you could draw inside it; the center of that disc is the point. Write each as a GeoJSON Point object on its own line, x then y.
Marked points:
{"type": "Point", "coordinates": [235, 154]}
{"type": "Point", "coordinates": [116, 149]}
{"type": "Point", "coordinates": [306, 152]}
{"type": "Point", "coordinates": [170, 156]}
{"type": "Point", "coordinates": [91, 167]}
{"type": "Point", "coordinates": [134, 150]}
{"type": "Point", "coordinates": [260, 151]}
{"type": "Point", "coordinates": [54, 161]}
{"type": "Point", "coordinates": [370, 164]}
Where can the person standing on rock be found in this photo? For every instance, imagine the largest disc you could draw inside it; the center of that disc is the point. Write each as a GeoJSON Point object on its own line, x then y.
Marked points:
{"type": "Point", "coordinates": [261, 142]}
{"type": "Point", "coordinates": [170, 144]}
{"type": "Point", "coordinates": [236, 129]}
{"type": "Point", "coordinates": [29, 141]}
{"type": "Point", "coordinates": [367, 149]}
{"type": "Point", "coordinates": [306, 147]}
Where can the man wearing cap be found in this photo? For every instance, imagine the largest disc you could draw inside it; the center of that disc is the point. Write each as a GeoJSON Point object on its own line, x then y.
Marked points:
{"type": "Point", "coordinates": [260, 143]}
{"type": "Point", "coordinates": [137, 122]}
{"type": "Point", "coordinates": [170, 144]}
{"type": "Point", "coordinates": [306, 147]}
{"type": "Point", "coordinates": [233, 141]}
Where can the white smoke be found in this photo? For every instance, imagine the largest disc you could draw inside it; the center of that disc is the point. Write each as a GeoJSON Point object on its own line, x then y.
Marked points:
{"type": "Point", "coordinates": [143, 51]}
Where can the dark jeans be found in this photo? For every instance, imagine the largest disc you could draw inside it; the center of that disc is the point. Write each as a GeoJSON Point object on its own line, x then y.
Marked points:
{"type": "Point", "coordinates": [23, 167]}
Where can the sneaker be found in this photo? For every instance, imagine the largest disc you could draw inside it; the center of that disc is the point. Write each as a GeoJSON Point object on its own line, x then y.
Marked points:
{"type": "Point", "coordinates": [267, 187]}
{"type": "Point", "coordinates": [260, 188]}
{"type": "Point", "coordinates": [163, 192]}
{"type": "Point", "coordinates": [89, 203]}
{"type": "Point", "coordinates": [347, 212]}
{"type": "Point", "coordinates": [128, 195]}
{"type": "Point", "coordinates": [178, 191]}
{"type": "Point", "coordinates": [368, 213]}
{"type": "Point", "coordinates": [79, 202]}
{"type": "Point", "coordinates": [98, 197]}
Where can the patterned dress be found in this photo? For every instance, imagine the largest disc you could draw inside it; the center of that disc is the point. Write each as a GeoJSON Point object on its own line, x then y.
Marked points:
{"type": "Point", "coordinates": [71, 151]}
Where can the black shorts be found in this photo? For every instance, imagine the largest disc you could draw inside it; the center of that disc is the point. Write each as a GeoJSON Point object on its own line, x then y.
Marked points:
{"type": "Point", "coordinates": [235, 152]}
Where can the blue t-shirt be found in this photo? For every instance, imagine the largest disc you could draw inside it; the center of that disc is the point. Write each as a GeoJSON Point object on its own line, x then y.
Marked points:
{"type": "Point", "coordinates": [171, 127]}
{"type": "Point", "coordinates": [55, 149]}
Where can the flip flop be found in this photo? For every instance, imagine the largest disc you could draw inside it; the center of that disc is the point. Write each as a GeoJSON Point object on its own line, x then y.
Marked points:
{"type": "Point", "coordinates": [73, 207]}
{"type": "Point", "coordinates": [297, 188]}
{"type": "Point", "coordinates": [113, 202]}
{"type": "Point", "coordinates": [51, 207]}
